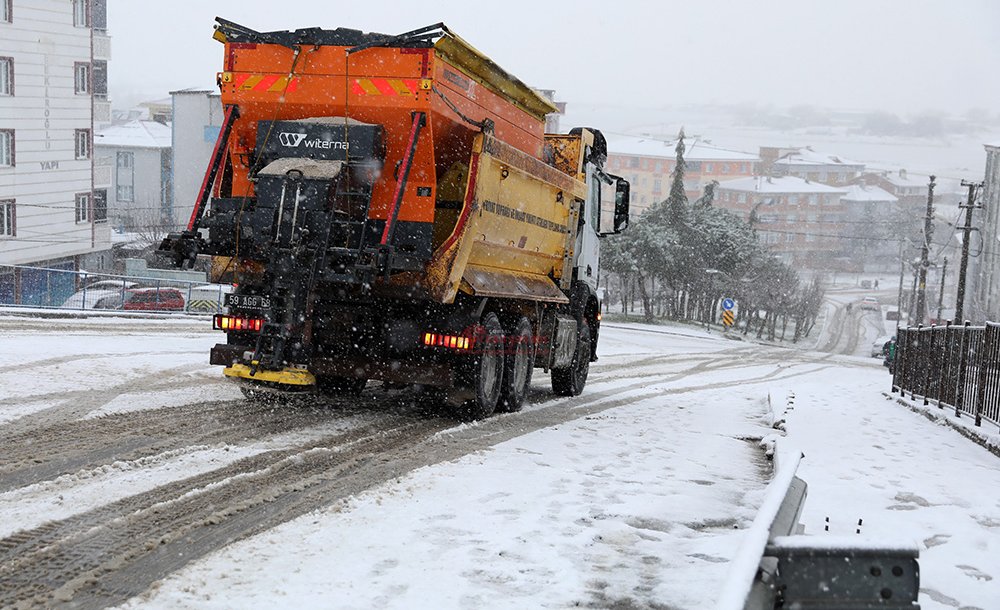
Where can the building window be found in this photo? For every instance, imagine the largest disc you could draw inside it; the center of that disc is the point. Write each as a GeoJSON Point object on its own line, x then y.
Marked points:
{"type": "Point", "coordinates": [101, 205]}
{"type": "Point", "coordinates": [725, 168]}
{"type": "Point", "coordinates": [8, 217]}
{"type": "Point", "coordinates": [81, 13]}
{"type": "Point", "coordinates": [6, 73]}
{"type": "Point", "coordinates": [126, 160]}
{"type": "Point", "coordinates": [82, 143]}
{"type": "Point", "coordinates": [6, 11]}
{"type": "Point", "coordinates": [633, 162]}
{"type": "Point", "coordinates": [124, 192]}
{"type": "Point", "coordinates": [793, 199]}
{"type": "Point", "coordinates": [708, 168]}
{"type": "Point", "coordinates": [81, 78]}
{"type": "Point", "coordinates": [741, 198]}
{"type": "Point", "coordinates": [6, 148]}
{"type": "Point", "coordinates": [82, 207]}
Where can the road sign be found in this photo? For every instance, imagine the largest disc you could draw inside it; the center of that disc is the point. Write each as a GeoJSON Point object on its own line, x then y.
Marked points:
{"type": "Point", "coordinates": [727, 317]}
{"type": "Point", "coordinates": [728, 303]}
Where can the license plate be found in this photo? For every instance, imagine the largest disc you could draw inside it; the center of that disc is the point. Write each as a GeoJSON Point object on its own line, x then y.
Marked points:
{"type": "Point", "coordinates": [248, 301]}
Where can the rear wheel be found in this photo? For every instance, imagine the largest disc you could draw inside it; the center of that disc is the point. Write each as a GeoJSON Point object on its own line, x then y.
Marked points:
{"type": "Point", "coordinates": [570, 380]}
{"type": "Point", "coordinates": [486, 374]}
{"type": "Point", "coordinates": [519, 360]}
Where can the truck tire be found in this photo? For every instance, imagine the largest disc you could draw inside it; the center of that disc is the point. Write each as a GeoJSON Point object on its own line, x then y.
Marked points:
{"type": "Point", "coordinates": [486, 375]}
{"type": "Point", "coordinates": [518, 362]}
{"type": "Point", "coordinates": [338, 386]}
{"type": "Point", "coordinates": [570, 380]}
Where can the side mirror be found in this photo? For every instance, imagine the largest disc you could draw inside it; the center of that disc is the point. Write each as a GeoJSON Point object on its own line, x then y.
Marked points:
{"type": "Point", "coordinates": [621, 204]}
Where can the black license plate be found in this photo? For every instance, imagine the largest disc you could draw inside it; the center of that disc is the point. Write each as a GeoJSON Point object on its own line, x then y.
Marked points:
{"type": "Point", "coordinates": [248, 301]}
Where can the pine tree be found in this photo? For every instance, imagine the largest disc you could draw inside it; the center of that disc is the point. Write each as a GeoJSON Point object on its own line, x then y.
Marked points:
{"type": "Point", "coordinates": [677, 201]}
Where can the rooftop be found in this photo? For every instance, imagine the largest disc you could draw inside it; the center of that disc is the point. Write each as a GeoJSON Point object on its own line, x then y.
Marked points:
{"type": "Point", "coordinates": [135, 134]}
{"type": "Point", "coordinates": [784, 184]}
{"type": "Point", "coordinates": [867, 192]}
{"type": "Point", "coordinates": [807, 156]}
{"type": "Point", "coordinates": [695, 150]}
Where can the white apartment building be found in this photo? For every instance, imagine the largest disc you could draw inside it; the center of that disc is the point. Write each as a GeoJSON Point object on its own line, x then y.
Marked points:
{"type": "Point", "coordinates": [53, 95]}
{"type": "Point", "coordinates": [983, 297]}
{"type": "Point", "coordinates": [139, 153]}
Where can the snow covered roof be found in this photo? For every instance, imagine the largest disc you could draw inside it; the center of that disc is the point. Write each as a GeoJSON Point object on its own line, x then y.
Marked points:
{"type": "Point", "coordinates": [868, 193]}
{"type": "Point", "coordinates": [135, 134]}
{"type": "Point", "coordinates": [783, 184]}
{"type": "Point", "coordinates": [901, 178]}
{"type": "Point", "coordinates": [807, 156]}
{"type": "Point", "coordinates": [696, 150]}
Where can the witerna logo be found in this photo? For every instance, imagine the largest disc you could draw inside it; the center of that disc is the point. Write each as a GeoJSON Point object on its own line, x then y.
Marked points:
{"type": "Point", "coordinates": [292, 140]}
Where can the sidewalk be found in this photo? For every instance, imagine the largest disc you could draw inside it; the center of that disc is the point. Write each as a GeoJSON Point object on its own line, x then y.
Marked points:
{"type": "Point", "coordinates": [907, 478]}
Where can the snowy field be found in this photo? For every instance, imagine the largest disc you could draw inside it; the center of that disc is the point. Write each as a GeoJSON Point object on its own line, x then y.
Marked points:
{"type": "Point", "coordinates": [635, 494]}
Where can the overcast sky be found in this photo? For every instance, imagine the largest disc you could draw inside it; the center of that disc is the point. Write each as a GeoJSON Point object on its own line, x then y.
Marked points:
{"type": "Point", "coordinates": [905, 56]}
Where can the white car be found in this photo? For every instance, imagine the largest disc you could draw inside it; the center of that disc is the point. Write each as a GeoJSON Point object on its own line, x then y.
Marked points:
{"type": "Point", "coordinates": [96, 292]}
{"type": "Point", "coordinates": [878, 345]}
{"type": "Point", "coordinates": [869, 304]}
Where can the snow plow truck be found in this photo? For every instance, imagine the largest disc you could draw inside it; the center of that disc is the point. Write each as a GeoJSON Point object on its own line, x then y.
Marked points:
{"type": "Point", "coordinates": [388, 207]}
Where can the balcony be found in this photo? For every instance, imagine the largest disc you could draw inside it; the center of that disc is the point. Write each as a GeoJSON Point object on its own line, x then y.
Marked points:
{"type": "Point", "coordinates": [102, 46]}
{"type": "Point", "coordinates": [102, 172]}
{"type": "Point", "coordinates": [102, 110]}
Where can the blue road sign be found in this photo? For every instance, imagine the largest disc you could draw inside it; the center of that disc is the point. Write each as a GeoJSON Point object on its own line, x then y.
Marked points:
{"type": "Point", "coordinates": [728, 303]}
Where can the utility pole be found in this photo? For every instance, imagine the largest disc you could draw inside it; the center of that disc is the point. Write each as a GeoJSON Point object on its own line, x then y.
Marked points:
{"type": "Point", "coordinates": [899, 297]}
{"type": "Point", "coordinates": [944, 271]}
{"type": "Point", "coordinates": [966, 234]}
{"type": "Point", "coordinates": [925, 255]}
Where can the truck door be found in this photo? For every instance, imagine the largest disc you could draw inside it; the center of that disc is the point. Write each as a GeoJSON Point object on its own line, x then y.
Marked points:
{"type": "Point", "coordinates": [588, 246]}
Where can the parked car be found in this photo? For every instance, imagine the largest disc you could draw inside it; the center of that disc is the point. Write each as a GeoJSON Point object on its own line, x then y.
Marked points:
{"type": "Point", "coordinates": [153, 299]}
{"type": "Point", "coordinates": [877, 347]}
{"type": "Point", "coordinates": [95, 292]}
{"type": "Point", "coordinates": [869, 304]}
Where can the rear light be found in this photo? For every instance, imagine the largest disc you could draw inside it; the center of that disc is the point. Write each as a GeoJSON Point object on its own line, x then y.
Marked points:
{"type": "Point", "coordinates": [224, 322]}
{"type": "Point", "coordinates": [449, 341]}
{"type": "Point", "coordinates": [599, 316]}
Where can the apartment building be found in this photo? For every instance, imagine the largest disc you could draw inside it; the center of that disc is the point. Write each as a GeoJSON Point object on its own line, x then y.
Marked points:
{"type": "Point", "coordinates": [53, 96]}
{"type": "Point", "coordinates": [140, 155]}
{"type": "Point", "coordinates": [197, 121]}
{"type": "Point", "coordinates": [798, 220]}
{"type": "Point", "coordinates": [648, 164]}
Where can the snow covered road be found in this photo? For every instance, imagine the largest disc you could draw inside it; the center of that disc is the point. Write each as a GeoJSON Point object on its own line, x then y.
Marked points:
{"type": "Point", "coordinates": [127, 460]}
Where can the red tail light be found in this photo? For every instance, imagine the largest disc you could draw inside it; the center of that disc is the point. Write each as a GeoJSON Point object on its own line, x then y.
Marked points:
{"type": "Point", "coordinates": [224, 322]}
{"type": "Point", "coordinates": [449, 341]}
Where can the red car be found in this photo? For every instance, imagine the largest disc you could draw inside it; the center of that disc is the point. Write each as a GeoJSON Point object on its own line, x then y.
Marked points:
{"type": "Point", "coordinates": [154, 299]}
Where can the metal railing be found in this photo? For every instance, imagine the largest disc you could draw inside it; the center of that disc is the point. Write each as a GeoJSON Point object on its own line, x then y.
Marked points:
{"type": "Point", "coordinates": [956, 366]}
{"type": "Point", "coordinates": [68, 289]}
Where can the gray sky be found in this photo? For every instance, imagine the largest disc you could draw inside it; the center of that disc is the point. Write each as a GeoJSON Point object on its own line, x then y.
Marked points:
{"type": "Point", "coordinates": [901, 55]}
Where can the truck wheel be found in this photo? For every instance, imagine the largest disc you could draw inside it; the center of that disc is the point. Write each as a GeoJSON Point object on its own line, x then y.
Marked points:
{"type": "Point", "coordinates": [337, 386]}
{"type": "Point", "coordinates": [486, 377]}
{"type": "Point", "coordinates": [570, 381]}
{"type": "Point", "coordinates": [518, 362]}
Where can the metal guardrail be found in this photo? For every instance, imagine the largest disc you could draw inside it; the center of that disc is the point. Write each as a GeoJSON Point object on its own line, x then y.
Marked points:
{"type": "Point", "coordinates": [69, 289]}
{"type": "Point", "coordinates": [777, 566]}
{"type": "Point", "coordinates": [956, 366]}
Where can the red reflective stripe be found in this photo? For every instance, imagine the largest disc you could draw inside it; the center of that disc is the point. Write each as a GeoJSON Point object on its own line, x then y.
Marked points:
{"type": "Point", "coordinates": [356, 88]}
{"type": "Point", "coordinates": [383, 86]}
{"type": "Point", "coordinates": [412, 84]}
{"type": "Point", "coordinates": [266, 82]}
{"type": "Point", "coordinates": [239, 79]}
{"type": "Point", "coordinates": [292, 85]}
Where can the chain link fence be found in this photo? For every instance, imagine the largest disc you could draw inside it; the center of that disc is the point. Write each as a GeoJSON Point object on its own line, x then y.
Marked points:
{"type": "Point", "coordinates": [956, 366]}
{"type": "Point", "coordinates": [68, 289]}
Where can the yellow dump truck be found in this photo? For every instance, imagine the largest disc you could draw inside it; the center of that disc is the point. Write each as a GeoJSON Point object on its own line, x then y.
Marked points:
{"type": "Point", "coordinates": [390, 208]}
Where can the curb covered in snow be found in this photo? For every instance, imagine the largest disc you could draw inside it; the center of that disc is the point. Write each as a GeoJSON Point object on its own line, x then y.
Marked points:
{"type": "Point", "coordinates": [965, 427]}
